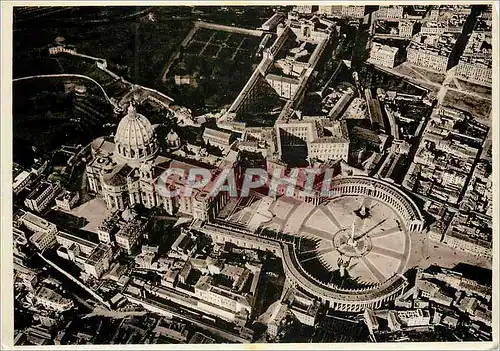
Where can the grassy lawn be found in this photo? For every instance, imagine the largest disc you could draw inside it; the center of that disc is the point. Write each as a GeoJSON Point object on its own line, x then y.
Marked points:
{"type": "Point", "coordinates": [219, 64]}
{"type": "Point", "coordinates": [136, 47]}
{"type": "Point", "coordinates": [432, 76]}
{"type": "Point", "coordinates": [475, 106]}
{"type": "Point", "coordinates": [475, 88]}
{"type": "Point", "coordinates": [45, 116]}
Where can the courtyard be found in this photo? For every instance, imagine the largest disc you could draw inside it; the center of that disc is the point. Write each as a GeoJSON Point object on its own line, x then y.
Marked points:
{"type": "Point", "coordinates": [94, 211]}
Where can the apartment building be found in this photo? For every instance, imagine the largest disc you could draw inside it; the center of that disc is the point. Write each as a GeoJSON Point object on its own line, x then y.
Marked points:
{"type": "Point", "coordinates": [383, 55]}
{"type": "Point", "coordinates": [41, 197]}
{"type": "Point", "coordinates": [390, 12]}
{"type": "Point", "coordinates": [433, 52]}
{"type": "Point", "coordinates": [475, 64]}
{"type": "Point", "coordinates": [406, 28]}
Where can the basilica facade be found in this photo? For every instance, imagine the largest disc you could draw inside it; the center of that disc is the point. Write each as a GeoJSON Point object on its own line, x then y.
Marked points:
{"type": "Point", "coordinates": [127, 171]}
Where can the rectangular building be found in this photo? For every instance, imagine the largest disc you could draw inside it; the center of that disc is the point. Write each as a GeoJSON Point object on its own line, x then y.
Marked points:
{"type": "Point", "coordinates": [475, 64]}
{"type": "Point", "coordinates": [52, 300]}
{"type": "Point", "coordinates": [129, 236]}
{"type": "Point", "coordinates": [413, 318]}
{"type": "Point", "coordinates": [390, 11]}
{"type": "Point", "coordinates": [43, 240]}
{"type": "Point", "coordinates": [406, 28]}
{"type": "Point", "coordinates": [383, 55]}
{"type": "Point", "coordinates": [36, 224]}
{"type": "Point", "coordinates": [75, 243]}
{"type": "Point", "coordinates": [273, 21]}
{"type": "Point", "coordinates": [353, 11]}
{"type": "Point", "coordinates": [217, 138]}
{"type": "Point", "coordinates": [220, 301]}
{"type": "Point", "coordinates": [67, 200]}
{"type": "Point", "coordinates": [342, 11]}
{"type": "Point", "coordinates": [303, 8]}
{"type": "Point", "coordinates": [432, 52]}
{"type": "Point", "coordinates": [433, 28]}
{"type": "Point", "coordinates": [284, 86]}
{"type": "Point", "coordinates": [475, 246]}
{"type": "Point", "coordinates": [40, 198]}
{"type": "Point", "coordinates": [99, 260]}
{"type": "Point", "coordinates": [304, 308]}
{"type": "Point", "coordinates": [21, 180]}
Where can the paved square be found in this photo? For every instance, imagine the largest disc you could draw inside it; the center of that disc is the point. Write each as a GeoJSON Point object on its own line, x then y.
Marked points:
{"type": "Point", "coordinates": [94, 211]}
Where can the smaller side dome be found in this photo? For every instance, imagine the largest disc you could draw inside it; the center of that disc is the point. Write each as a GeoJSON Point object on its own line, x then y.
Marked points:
{"type": "Point", "coordinates": [173, 140]}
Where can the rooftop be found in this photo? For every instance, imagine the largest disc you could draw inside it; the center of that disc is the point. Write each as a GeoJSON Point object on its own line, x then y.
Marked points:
{"type": "Point", "coordinates": [19, 177]}
{"type": "Point", "coordinates": [219, 134]}
{"type": "Point", "coordinates": [51, 295]}
{"type": "Point", "coordinates": [435, 44]}
{"type": "Point", "coordinates": [34, 220]}
{"type": "Point", "coordinates": [130, 230]}
{"type": "Point", "coordinates": [98, 253]}
{"type": "Point", "coordinates": [478, 49]}
{"type": "Point", "coordinates": [76, 239]}
{"type": "Point", "coordinates": [41, 187]}
{"type": "Point", "coordinates": [234, 272]}
{"type": "Point", "coordinates": [118, 176]}
{"type": "Point", "coordinates": [66, 195]}
{"type": "Point", "coordinates": [283, 79]}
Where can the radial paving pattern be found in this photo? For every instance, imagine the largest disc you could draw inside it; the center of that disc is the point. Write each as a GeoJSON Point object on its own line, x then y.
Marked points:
{"type": "Point", "coordinates": [371, 245]}
{"type": "Point", "coordinates": [357, 234]}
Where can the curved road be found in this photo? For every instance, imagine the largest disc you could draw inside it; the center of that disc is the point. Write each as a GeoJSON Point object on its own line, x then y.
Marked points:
{"type": "Point", "coordinates": [66, 75]}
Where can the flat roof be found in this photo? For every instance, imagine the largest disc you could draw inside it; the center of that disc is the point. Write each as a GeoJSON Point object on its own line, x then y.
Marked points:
{"type": "Point", "coordinates": [98, 253]}
{"type": "Point", "coordinates": [20, 177]}
{"type": "Point", "coordinates": [216, 133]}
{"type": "Point", "coordinates": [42, 186]}
{"type": "Point", "coordinates": [382, 47]}
{"type": "Point", "coordinates": [37, 221]}
{"type": "Point", "coordinates": [130, 230]}
{"type": "Point", "coordinates": [282, 79]}
{"type": "Point", "coordinates": [76, 239]}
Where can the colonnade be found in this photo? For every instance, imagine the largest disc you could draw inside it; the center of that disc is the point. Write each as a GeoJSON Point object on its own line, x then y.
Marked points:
{"type": "Point", "coordinates": [341, 300]}
{"type": "Point", "coordinates": [385, 192]}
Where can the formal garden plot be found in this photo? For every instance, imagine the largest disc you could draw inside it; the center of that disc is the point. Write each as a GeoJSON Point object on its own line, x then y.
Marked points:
{"type": "Point", "coordinates": [203, 35]}
{"type": "Point", "coordinates": [210, 50]}
{"type": "Point", "coordinates": [249, 43]}
{"type": "Point", "coordinates": [194, 48]}
{"type": "Point", "coordinates": [226, 53]}
{"type": "Point", "coordinates": [218, 64]}
{"type": "Point", "coordinates": [220, 37]}
{"type": "Point", "coordinates": [234, 39]}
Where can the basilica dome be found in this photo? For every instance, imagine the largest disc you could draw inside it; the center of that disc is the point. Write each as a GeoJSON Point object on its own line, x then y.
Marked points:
{"type": "Point", "coordinates": [135, 139]}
